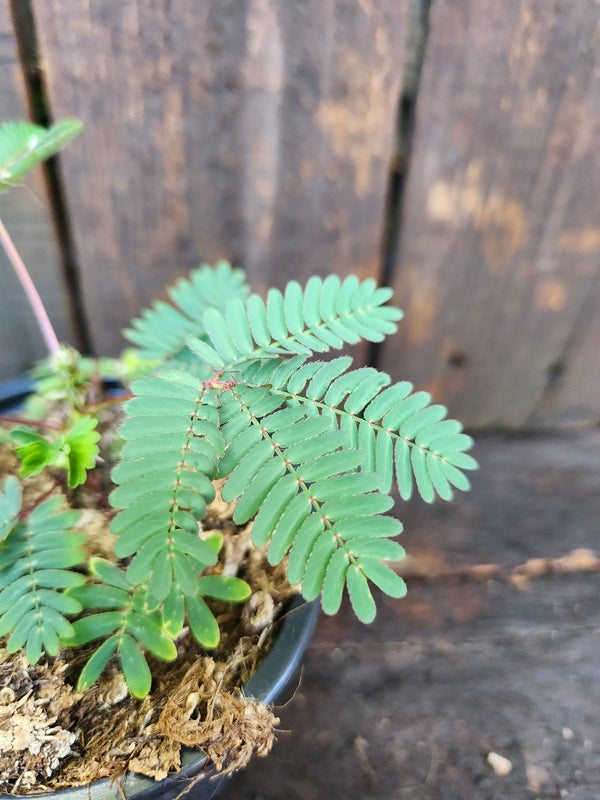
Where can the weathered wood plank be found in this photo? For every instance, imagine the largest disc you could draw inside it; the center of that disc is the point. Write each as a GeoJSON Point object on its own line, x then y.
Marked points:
{"type": "Point", "coordinates": [572, 392]}
{"type": "Point", "coordinates": [256, 131]}
{"type": "Point", "coordinates": [24, 212]}
{"type": "Point", "coordinates": [500, 228]}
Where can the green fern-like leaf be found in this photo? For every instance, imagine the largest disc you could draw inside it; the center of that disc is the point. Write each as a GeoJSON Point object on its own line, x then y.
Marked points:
{"type": "Point", "coordinates": [120, 610]}
{"type": "Point", "coordinates": [23, 145]}
{"type": "Point", "coordinates": [328, 313]}
{"type": "Point", "coordinates": [294, 473]}
{"type": "Point", "coordinates": [309, 449]}
{"type": "Point", "coordinates": [131, 628]}
{"type": "Point", "coordinates": [172, 445]}
{"type": "Point", "coordinates": [398, 432]}
{"type": "Point", "coordinates": [36, 557]}
{"type": "Point", "coordinates": [160, 332]}
{"type": "Point", "coordinates": [172, 448]}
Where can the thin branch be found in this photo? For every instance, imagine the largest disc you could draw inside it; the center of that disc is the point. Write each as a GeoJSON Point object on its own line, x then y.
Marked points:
{"type": "Point", "coordinates": [35, 300]}
{"type": "Point", "coordinates": [26, 512]}
{"type": "Point", "coordinates": [31, 423]}
{"type": "Point", "coordinates": [111, 401]}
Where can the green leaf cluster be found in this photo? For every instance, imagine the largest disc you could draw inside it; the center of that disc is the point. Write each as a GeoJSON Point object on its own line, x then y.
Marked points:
{"type": "Point", "coordinates": [75, 450]}
{"type": "Point", "coordinates": [309, 449]}
{"type": "Point", "coordinates": [160, 332]}
{"type": "Point", "coordinates": [326, 314]}
{"type": "Point", "coordinates": [36, 559]}
{"type": "Point", "coordinates": [130, 628]}
{"type": "Point", "coordinates": [23, 145]}
{"type": "Point", "coordinates": [171, 452]}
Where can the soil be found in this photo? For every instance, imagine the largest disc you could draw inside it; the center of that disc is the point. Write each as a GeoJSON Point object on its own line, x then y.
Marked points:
{"type": "Point", "coordinates": [482, 683]}
{"type": "Point", "coordinates": [53, 737]}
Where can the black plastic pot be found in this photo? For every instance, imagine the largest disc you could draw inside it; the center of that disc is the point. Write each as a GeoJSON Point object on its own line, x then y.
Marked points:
{"type": "Point", "coordinates": [269, 684]}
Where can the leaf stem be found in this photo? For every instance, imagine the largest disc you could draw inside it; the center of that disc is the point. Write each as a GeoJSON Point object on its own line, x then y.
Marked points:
{"type": "Point", "coordinates": [35, 300]}
{"type": "Point", "coordinates": [31, 423]}
{"type": "Point", "coordinates": [111, 401]}
{"type": "Point", "coordinates": [44, 496]}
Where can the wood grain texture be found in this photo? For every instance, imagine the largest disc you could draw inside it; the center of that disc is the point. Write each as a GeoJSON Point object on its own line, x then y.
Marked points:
{"type": "Point", "coordinates": [500, 232]}
{"type": "Point", "coordinates": [24, 212]}
{"type": "Point", "coordinates": [257, 131]}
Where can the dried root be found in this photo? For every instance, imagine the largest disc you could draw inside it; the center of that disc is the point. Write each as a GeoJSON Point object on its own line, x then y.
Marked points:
{"type": "Point", "coordinates": [230, 729]}
{"type": "Point", "coordinates": [32, 744]}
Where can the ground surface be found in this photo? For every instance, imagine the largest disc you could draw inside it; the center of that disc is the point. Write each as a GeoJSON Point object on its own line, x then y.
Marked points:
{"type": "Point", "coordinates": [410, 707]}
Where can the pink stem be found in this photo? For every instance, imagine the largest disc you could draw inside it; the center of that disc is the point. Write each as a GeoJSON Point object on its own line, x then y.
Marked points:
{"type": "Point", "coordinates": [35, 301]}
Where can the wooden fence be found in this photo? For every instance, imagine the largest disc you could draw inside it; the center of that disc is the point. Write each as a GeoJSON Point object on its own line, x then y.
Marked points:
{"type": "Point", "coordinates": [449, 148]}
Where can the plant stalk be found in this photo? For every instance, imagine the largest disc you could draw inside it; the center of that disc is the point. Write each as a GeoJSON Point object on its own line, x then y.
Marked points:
{"type": "Point", "coordinates": [122, 398]}
{"type": "Point", "coordinates": [35, 300]}
{"type": "Point", "coordinates": [31, 423]}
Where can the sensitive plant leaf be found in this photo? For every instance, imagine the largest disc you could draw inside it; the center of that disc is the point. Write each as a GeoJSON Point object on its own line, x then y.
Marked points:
{"type": "Point", "coordinates": [109, 573]}
{"type": "Point", "coordinates": [257, 490]}
{"type": "Point", "coordinates": [276, 315]}
{"type": "Point", "coordinates": [96, 664]}
{"type": "Point", "coordinates": [164, 332]}
{"type": "Point", "coordinates": [360, 595]}
{"type": "Point", "coordinates": [237, 323]}
{"type": "Point", "coordinates": [202, 621]}
{"type": "Point", "coordinates": [94, 626]}
{"type": "Point", "coordinates": [185, 574]}
{"type": "Point", "coordinates": [80, 447]}
{"type": "Point", "coordinates": [384, 460]}
{"type": "Point", "coordinates": [383, 577]}
{"type": "Point", "coordinates": [282, 430]}
{"type": "Point", "coordinates": [293, 307]}
{"type": "Point", "coordinates": [272, 508]}
{"type": "Point", "coordinates": [135, 667]}
{"type": "Point", "coordinates": [441, 484]}
{"type": "Point", "coordinates": [224, 587]}
{"type": "Point", "coordinates": [174, 612]}
{"type": "Point", "coordinates": [287, 526]}
{"type": "Point", "coordinates": [23, 145]}
{"type": "Point", "coordinates": [63, 603]}
{"type": "Point", "coordinates": [316, 565]}
{"type": "Point", "coordinates": [151, 635]}
{"type": "Point", "coordinates": [34, 644]}
{"type": "Point", "coordinates": [35, 558]}
{"type": "Point", "coordinates": [21, 631]}
{"type": "Point", "coordinates": [34, 450]}
{"type": "Point", "coordinates": [205, 352]}
{"type": "Point", "coordinates": [304, 543]}
{"type": "Point", "coordinates": [372, 546]}
{"type": "Point", "coordinates": [218, 332]}
{"type": "Point", "coordinates": [455, 476]}
{"type": "Point", "coordinates": [97, 596]}
{"type": "Point", "coordinates": [161, 581]}
{"type": "Point", "coordinates": [257, 317]}
{"type": "Point", "coordinates": [335, 580]}
{"type": "Point", "coordinates": [50, 641]}
{"type": "Point", "coordinates": [404, 476]}
{"type": "Point", "coordinates": [419, 464]}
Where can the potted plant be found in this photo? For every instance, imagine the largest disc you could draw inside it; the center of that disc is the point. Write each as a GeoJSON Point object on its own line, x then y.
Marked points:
{"type": "Point", "coordinates": [233, 404]}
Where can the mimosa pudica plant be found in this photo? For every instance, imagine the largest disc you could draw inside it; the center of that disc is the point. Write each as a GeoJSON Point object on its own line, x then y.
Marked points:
{"type": "Point", "coordinates": [238, 389]}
